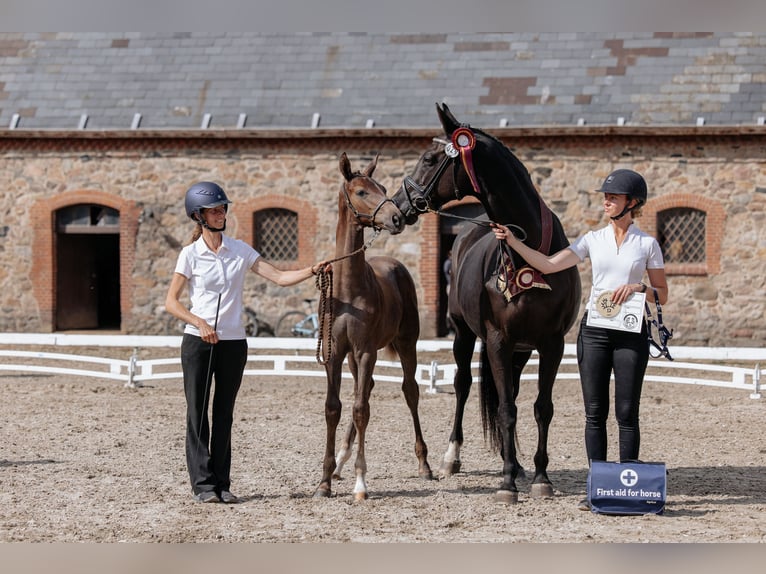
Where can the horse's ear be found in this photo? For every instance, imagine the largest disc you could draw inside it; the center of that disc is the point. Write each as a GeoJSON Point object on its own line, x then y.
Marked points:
{"type": "Point", "coordinates": [448, 121]}
{"type": "Point", "coordinates": [345, 167]}
{"type": "Point", "coordinates": [371, 167]}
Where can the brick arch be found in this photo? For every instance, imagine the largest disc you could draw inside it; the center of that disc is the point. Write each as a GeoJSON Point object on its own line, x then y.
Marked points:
{"type": "Point", "coordinates": [307, 222]}
{"type": "Point", "coordinates": [715, 218]}
{"type": "Point", "coordinates": [43, 221]}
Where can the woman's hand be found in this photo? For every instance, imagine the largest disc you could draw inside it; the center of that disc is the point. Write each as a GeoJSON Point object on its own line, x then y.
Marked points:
{"type": "Point", "coordinates": [321, 267]}
{"type": "Point", "coordinates": [625, 292]}
{"type": "Point", "coordinates": [206, 332]}
{"type": "Point", "coordinates": [501, 232]}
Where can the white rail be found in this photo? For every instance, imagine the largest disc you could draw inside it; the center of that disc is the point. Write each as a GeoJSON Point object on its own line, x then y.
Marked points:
{"type": "Point", "coordinates": [433, 375]}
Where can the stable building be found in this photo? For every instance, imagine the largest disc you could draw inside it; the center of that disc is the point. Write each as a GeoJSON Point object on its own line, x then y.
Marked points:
{"type": "Point", "coordinates": [102, 133]}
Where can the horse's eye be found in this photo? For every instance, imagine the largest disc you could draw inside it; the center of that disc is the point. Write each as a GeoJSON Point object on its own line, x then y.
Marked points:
{"type": "Point", "coordinates": [361, 192]}
{"type": "Point", "coordinates": [429, 158]}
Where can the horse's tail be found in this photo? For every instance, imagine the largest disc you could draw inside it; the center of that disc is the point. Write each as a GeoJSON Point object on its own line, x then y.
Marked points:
{"type": "Point", "coordinates": [489, 401]}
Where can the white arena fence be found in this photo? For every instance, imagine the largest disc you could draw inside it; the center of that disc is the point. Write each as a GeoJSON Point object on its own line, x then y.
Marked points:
{"type": "Point", "coordinates": [296, 357]}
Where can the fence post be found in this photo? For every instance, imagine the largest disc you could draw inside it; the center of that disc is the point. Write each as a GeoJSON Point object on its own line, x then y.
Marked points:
{"type": "Point", "coordinates": [131, 384]}
{"type": "Point", "coordinates": [432, 377]}
{"type": "Point", "coordinates": [756, 394]}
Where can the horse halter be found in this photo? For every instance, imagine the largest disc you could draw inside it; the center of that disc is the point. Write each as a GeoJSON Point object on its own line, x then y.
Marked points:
{"type": "Point", "coordinates": [370, 217]}
{"type": "Point", "coordinates": [662, 332]}
{"type": "Point", "coordinates": [461, 145]}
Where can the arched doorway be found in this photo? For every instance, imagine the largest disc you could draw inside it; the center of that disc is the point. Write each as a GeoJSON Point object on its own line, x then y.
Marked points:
{"type": "Point", "coordinates": [449, 227]}
{"type": "Point", "coordinates": [87, 267]}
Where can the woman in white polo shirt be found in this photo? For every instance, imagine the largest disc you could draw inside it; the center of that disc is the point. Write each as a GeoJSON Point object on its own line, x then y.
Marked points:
{"type": "Point", "coordinates": [214, 344]}
{"type": "Point", "coordinates": [620, 255]}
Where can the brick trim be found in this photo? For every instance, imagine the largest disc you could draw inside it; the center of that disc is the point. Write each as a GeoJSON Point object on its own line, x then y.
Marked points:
{"type": "Point", "coordinates": [307, 224]}
{"type": "Point", "coordinates": [44, 272]}
{"type": "Point", "coordinates": [715, 219]}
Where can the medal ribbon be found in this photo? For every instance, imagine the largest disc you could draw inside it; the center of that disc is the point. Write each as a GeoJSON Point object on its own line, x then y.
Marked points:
{"type": "Point", "coordinates": [464, 141]}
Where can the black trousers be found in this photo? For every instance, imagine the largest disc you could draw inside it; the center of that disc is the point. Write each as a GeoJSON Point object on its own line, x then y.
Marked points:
{"type": "Point", "coordinates": [599, 353]}
{"type": "Point", "coordinates": [208, 454]}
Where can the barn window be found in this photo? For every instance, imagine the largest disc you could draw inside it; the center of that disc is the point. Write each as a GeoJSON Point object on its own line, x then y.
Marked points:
{"type": "Point", "coordinates": [681, 233]}
{"type": "Point", "coordinates": [276, 234]}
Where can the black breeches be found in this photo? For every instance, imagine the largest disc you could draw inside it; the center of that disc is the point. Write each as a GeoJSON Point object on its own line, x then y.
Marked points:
{"type": "Point", "coordinates": [601, 352]}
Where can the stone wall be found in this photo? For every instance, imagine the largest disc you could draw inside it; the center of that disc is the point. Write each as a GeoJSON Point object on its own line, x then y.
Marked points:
{"type": "Point", "coordinates": [145, 176]}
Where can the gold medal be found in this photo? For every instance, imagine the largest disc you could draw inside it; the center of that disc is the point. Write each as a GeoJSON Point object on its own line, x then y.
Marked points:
{"type": "Point", "coordinates": [605, 306]}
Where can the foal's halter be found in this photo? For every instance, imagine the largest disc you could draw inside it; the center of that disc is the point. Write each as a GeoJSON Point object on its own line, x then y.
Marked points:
{"type": "Point", "coordinates": [370, 217]}
{"type": "Point", "coordinates": [662, 332]}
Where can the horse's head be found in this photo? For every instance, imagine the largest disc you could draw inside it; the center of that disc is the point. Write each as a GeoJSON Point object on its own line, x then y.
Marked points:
{"type": "Point", "coordinates": [432, 184]}
{"type": "Point", "coordinates": [367, 199]}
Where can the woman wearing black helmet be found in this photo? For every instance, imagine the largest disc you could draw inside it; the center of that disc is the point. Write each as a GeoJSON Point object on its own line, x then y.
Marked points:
{"type": "Point", "coordinates": [214, 267]}
{"type": "Point", "coordinates": [620, 254]}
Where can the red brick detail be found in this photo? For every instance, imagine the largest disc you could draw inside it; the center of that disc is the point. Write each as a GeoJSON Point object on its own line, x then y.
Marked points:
{"type": "Point", "coordinates": [482, 46]}
{"type": "Point", "coordinates": [43, 274]}
{"type": "Point", "coordinates": [683, 34]}
{"type": "Point", "coordinates": [429, 274]}
{"type": "Point", "coordinates": [715, 219]}
{"type": "Point", "coordinates": [419, 39]}
{"type": "Point", "coordinates": [625, 57]}
{"type": "Point", "coordinates": [510, 91]}
{"type": "Point", "coordinates": [307, 224]}
{"type": "Point", "coordinates": [12, 48]}
{"type": "Point", "coordinates": [120, 42]}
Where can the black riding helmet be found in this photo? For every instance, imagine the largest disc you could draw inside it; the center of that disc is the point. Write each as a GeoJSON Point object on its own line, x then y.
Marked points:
{"type": "Point", "coordinates": [626, 182]}
{"type": "Point", "coordinates": [204, 195]}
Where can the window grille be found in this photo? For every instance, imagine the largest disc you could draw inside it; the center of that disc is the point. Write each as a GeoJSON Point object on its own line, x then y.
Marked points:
{"type": "Point", "coordinates": [681, 233]}
{"type": "Point", "coordinates": [276, 234]}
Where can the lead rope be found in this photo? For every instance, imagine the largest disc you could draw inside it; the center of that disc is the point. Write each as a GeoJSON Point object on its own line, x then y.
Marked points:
{"type": "Point", "coordinates": [323, 283]}
{"type": "Point", "coordinates": [326, 311]}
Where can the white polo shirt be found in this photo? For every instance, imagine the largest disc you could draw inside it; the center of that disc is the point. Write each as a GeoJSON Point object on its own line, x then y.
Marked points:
{"type": "Point", "coordinates": [613, 266]}
{"type": "Point", "coordinates": [210, 274]}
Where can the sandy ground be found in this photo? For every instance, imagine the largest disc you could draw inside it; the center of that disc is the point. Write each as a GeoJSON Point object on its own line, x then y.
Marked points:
{"type": "Point", "coordinates": [89, 460]}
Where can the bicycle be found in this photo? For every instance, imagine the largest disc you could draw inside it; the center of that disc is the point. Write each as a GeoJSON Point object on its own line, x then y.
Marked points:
{"type": "Point", "coordinates": [254, 326]}
{"type": "Point", "coordinates": [298, 323]}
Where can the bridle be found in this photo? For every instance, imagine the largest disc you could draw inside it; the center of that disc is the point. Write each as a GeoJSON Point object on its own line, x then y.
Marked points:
{"type": "Point", "coordinates": [461, 145]}
{"type": "Point", "coordinates": [456, 151]}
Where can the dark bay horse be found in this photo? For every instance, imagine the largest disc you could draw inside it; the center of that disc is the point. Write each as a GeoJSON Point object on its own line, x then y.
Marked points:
{"type": "Point", "coordinates": [374, 307]}
{"type": "Point", "coordinates": [494, 294]}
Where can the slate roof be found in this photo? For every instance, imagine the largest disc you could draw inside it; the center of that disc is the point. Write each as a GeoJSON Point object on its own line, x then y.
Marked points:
{"type": "Point", "coordinates": [281, 80]}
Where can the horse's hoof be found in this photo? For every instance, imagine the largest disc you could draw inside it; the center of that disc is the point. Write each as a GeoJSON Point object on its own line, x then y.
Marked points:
{"type": "Point", "coordinates": [322, 493]}
{"type": "Point", "coordinates": [336, 476]}
{"type": "Point", "coordinates": [507, 497]}
{"type": "Point", "coordinates": [426, 474]}
{"type": "Point", "coordinates": [448, 469]}
{"type": "Point", "coordinates": [541, 490]}
{"type": "Point", "coordinates": [360, 496]}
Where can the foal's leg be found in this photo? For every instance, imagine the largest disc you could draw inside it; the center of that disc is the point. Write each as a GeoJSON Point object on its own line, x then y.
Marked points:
{"type": "Point", "coordinates": [366, 362]}
{"type": "Point", "coordinates": [550, 359]}
{"type": "Point", "coordinates": [332, 409]}
{"type": "Point", "coordinates": [347, 444]}
{"type": "Point", "coordinates": [408, 357]}
{"type": "Point", "coordinates": [462, 350]}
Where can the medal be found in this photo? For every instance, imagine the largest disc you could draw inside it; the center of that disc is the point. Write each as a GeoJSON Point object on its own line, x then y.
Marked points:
{"type": "Point", "coordinates": [605, 306]}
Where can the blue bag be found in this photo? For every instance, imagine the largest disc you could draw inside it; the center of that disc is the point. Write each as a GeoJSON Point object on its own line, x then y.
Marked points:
{"type": "Point", "coordinates": [627, 487]}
